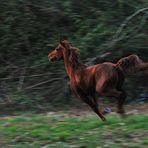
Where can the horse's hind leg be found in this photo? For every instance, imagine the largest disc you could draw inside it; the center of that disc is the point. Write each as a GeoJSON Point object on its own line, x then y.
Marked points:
{"type": "Point", "coordinates": [120, 95]}
{"type": "Point", "coordinates": [120, 102]}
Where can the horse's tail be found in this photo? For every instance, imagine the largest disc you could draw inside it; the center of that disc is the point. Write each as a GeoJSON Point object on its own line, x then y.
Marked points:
{"type": "Point", "coordinates": [142, 68]}
{"type": "Point", "coordinates": [132, 64]}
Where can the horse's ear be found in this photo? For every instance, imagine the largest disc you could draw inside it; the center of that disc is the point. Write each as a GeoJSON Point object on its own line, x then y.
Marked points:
{"type": "Point", "coordinates": [64, 40]}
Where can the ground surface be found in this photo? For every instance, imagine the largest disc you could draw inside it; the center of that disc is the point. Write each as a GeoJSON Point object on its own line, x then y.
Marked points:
{"type": "Point", "coordinates": [75, 129]}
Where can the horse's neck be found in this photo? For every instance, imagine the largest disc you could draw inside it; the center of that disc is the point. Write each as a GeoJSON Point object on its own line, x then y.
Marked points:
{"type": "Point", "coordinates": [70, 66]}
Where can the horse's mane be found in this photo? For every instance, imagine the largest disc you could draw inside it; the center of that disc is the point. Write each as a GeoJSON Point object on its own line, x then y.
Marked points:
{"type": "Point", "coordinates": [72, 53]}
{"type": "Point", "coordinates": [74, 57]}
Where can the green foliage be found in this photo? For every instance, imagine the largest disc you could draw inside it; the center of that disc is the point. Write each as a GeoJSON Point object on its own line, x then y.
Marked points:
{"type": "Point", "coordinates": [28, 27]}
{"type": "Point", "coordinates": [56, 130]}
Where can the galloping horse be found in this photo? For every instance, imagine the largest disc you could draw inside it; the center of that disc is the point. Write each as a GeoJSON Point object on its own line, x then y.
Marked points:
{"type": "Point", "coordinates": [105, 79]}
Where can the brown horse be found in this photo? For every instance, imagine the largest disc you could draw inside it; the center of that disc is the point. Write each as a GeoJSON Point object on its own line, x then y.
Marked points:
{"type": "Point", "coordinates": [104, 79]}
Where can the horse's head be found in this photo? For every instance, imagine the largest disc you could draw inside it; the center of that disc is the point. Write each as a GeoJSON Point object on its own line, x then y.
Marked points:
{"type": "Point", "coordinates": [57, 52]}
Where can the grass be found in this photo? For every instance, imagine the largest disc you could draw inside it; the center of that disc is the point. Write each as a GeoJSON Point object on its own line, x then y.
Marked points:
{"type": "Point", "coordinates": [58, 131]}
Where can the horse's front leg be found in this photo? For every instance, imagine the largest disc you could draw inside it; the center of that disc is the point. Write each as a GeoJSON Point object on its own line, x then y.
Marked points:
{"type": "Point", "coordinates": [96, 109]}
{"type": "Point", "coordinates": [90, 101]}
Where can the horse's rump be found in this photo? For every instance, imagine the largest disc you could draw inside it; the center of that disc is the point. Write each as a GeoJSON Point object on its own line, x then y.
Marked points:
{"type": "Point", "coordinates": [107, 77]}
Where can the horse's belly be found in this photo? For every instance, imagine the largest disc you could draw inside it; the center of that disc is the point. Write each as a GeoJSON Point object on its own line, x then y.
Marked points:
{"type": "Point", "coordinates": [85, 84]}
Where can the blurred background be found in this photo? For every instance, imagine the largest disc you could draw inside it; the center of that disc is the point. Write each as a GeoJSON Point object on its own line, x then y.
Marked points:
{"type": "Point", "coordinates": [102, 30]}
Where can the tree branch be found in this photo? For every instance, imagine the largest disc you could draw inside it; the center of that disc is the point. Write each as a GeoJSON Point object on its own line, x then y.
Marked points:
{"type": "Point", "coordinates": [116, 37]}
{"type": "Point", "coordinates": [44, 82]}
{"type": "Point", "coordinates": [127, 20]}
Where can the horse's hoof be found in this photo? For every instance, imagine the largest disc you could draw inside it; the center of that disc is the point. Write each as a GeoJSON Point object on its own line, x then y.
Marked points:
{"type": "Point", "coordinates": [103, 119]}
{"type": "Point", "coordinates": [107, 110]}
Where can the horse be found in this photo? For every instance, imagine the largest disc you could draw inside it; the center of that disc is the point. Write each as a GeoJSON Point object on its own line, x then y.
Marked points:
{"type": "Point", "coordinates": [88, 82]}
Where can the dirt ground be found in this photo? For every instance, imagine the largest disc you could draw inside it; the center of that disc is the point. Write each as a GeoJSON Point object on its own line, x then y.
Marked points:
{"type": "Point", "coordinates": [85, 110]}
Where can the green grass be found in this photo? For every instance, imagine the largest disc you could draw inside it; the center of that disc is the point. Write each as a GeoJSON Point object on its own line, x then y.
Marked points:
{"type": "Point", "coordinates": [57, 131]}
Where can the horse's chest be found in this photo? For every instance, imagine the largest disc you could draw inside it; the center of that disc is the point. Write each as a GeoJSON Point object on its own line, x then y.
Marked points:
{"type": "Point", "coordinates": [75, 81]}
{"type": "Point", "coordinates": [82, 82]}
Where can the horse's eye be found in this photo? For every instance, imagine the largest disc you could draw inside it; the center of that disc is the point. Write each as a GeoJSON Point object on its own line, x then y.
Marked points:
{"type": "Point", "coordinates": [57, 49]}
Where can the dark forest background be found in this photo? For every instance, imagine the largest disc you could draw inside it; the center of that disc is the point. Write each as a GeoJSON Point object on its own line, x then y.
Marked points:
{"type": "Point", "coordinates": [102, 30]}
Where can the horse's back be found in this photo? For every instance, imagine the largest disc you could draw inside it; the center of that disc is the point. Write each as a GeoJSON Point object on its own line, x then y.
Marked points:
{"type": "Point", "coordinates": [99, 71]}
{"type": "Point", "coordinates": [99, 75]}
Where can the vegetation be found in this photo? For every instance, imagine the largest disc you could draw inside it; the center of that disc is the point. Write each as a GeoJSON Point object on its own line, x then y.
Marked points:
{"type": "Point", "coordinates": [57, 130]}
{"type": "Point", "coordinates": [29, 28]}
